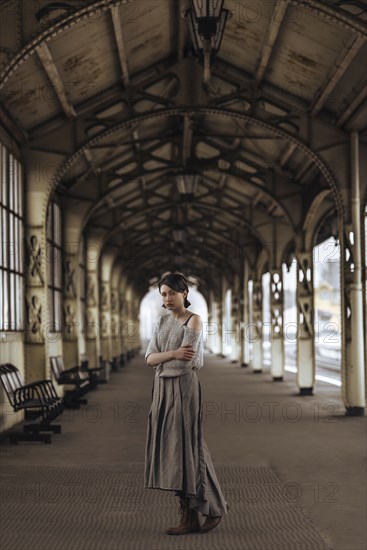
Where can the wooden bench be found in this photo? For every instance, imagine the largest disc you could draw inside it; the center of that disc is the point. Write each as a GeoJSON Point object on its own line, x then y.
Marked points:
{"type": "Point", "coordinates": [37, 399]}
{"type": "Point", "coordinates": [96, 374]}
{"type": "Point", "coordinates": [74, 376]}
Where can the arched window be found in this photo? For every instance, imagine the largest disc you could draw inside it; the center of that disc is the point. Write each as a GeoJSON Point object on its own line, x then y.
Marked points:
{"type": "Point", "coordinates": [11, 245]}
{"type": "Point", "coordinates": [54, 265]}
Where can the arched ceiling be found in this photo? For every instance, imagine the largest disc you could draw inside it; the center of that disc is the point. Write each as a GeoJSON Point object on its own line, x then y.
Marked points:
{"type": "Point", "coordinates": [113, 90]}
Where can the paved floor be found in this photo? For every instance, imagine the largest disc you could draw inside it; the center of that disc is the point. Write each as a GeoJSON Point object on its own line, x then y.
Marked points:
{"type": "Point", "coordinates": [293, 468]}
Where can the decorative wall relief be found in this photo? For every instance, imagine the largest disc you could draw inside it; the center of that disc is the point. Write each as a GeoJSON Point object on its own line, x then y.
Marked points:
{"type": "Point", "coordinates": [91, 292]}
{"type": "Point", "coordinates": [91, 326]}
{"type": "Point", "coordinates": [34, 260]}
{"type": "Point", "coordinates": [122, 305]}
{"type": "Point", "coordinates": [113, 301]}
{"type": "Point", "coordinates": [34, 315]}
{"type": "Point", "coordinates": [70, 321]}
{"type": "Point", "coordinates": [104, 326]}
{"type": "Point", "coordinates": [69, 278]}
{"type": "Point", "coordinates": [104, 297]}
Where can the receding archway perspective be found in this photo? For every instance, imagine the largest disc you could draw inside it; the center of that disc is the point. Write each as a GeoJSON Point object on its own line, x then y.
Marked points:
{"type": "Point", "coordinates": [218, 146]}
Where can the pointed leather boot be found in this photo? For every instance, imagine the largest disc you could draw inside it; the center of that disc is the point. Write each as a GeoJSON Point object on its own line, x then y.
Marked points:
{"type": "Point", "coordinates": [211, 522]}
{"type": "Point", "coordinates": [189, 520]}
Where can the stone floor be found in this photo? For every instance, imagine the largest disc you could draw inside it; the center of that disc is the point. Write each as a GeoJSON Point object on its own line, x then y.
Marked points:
{"type": "Point", "coordinates": [292, 468]}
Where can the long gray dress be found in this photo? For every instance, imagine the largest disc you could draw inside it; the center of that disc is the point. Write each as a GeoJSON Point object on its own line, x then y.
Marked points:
{"type": "Point", "coordinates": [176, 455]}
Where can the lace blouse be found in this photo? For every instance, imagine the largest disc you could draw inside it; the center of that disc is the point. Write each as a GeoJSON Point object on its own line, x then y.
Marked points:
{"type": "Point", "coordinates": [170, 334]}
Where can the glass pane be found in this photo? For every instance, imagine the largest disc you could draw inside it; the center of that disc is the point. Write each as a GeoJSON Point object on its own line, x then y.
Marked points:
{"type": "Point", "coordinates": [16, 244]}
{"type": "Point", "coordinates": [15, 185]}
{"type": "Point", "coordinates": [4, 238]}
{"type": "Point", "coordinates": [11, 243]}
{"type": "Point", "coordinates": [3, 175]}
{"type": "Point", "coordinates": [57, 225]}
{"type": "Point", "coordinates": [58, 268]}
{"type": "Point", "coordinates": [21, 304]}
{"type": "Point", "coordinates": [49, 221]}
{"type": "Point", "coordinates": [50, 306]}
{"type": "Point", "coordinates": [1, 300]}
{"type": "Point", "coordinates": [20, 189]}
{"type": "Point", "coordinates": [6, 298]}
{"type": "Point", "coordinates": [21, 247]}
{"type": "Point", "coordinates": [49, 264]}
{"type": "Point", "coordinates": [12, 300]}
{"type": "Point", "coordinates": [57, 311]}
{"type": "Point", "coordinates": [2, 214]}
{"type": "Point", "coordinates": [11, 181]}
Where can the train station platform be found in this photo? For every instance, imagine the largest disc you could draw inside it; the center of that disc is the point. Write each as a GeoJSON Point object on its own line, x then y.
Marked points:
{"type": "Point", "coordinates": [292, 469]}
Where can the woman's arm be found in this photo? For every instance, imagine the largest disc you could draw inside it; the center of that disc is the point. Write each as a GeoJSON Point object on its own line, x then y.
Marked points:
{"type": "Point", "coordinates": [154, 359]}
{"type": "Point", "coordinates": [184, 353]}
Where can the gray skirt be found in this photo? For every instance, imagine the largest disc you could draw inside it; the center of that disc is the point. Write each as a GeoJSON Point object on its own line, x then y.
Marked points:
{"type": "Point", "coordinates": [176, 455]}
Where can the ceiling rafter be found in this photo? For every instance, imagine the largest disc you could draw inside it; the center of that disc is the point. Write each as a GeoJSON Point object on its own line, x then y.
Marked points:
{"type": "Point", "coordinates": [277, 17]}
{"type": "Point", "coordinates": [344, 60]}
{"type": "Point", "coordinates": [52, 71]}
{"type": "Point", "coordinates": [138, 213]}
{"type": "Point", "coordinates": [119, 38]}
{"type": "Point", "coordinates": [352, 106]}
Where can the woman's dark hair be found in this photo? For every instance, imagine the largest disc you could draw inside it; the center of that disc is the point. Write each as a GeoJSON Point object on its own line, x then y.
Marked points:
{"type": "Point", "coordinates": [176, 281]}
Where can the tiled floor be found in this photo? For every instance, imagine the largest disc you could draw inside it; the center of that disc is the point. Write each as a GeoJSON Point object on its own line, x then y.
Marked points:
{"type": "Point", "coordinates": [291, 467]}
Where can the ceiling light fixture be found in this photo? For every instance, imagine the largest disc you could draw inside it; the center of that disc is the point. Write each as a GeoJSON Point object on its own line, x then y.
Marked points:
{"type": "Point", "coordinates": [206, 20]}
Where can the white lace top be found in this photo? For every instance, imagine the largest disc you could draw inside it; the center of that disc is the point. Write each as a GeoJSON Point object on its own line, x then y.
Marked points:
{"type": "Point", "coordinates": [169, 334]}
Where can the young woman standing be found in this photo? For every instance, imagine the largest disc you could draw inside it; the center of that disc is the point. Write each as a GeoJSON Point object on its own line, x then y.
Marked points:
{"type": "Point", "coordinates": [176, 455]}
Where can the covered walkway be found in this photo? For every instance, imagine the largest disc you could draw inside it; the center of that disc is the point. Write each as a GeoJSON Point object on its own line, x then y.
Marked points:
{"type": "Point", "coordinates": [295, 479]}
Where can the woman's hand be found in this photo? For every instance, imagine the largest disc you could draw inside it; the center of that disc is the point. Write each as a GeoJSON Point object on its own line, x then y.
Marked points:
{"type": "Point", "coordinates": [184, 353]}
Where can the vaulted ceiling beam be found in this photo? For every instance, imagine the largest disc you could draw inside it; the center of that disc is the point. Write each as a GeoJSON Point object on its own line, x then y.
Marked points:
{"type": "Point", "coordinates": [352, 106]}
{"type": "Point", "coordinates": [52, 71]}
{"type": "Point", "coordinates": [119, 37]}
{"type": "Point", "coordinates": [341, 65]}
{"type": "Point", "coordinates": [270, 38]}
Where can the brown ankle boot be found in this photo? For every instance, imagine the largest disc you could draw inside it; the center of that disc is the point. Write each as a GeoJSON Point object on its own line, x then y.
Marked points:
{"type": "Point", "coordinates": [189, 522]}
{"type": "Point", "coordinates": [211, 522]}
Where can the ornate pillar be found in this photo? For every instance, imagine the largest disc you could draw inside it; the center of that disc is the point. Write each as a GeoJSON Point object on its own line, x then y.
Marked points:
{"type": "Point", "coordinates": [71, 325]}
{"type": "Point", "coordinates": [256, 324]}
{"type": "Point", "coordinates": [92, 328]}
{"type": "Point", "coordinates": [245, 319]}
{"type": "Point", "coordinates": [353, 335]}
{"type": "Point", "coordinates": [115, 311]}
{"type": "Point", "coordinates": [305, 323]}
{"type": "Point", "coordinates": [276, 313]}
{"type": "Point", "coordinates": [123, 327]}
{"type": "Point", "coordinates": [235, 324]}
{"type": "Point", "coordinates": [106, 263]}
{"type": "Point", "coordinates": [35, 296]}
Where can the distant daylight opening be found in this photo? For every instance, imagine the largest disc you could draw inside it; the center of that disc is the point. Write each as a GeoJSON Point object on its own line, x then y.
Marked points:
{"type": "Point", "coordinates": [326, 260]}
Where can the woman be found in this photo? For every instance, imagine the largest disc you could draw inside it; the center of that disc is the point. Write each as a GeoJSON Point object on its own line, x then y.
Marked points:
{"type": "Point", "coordinates": [176, 455]}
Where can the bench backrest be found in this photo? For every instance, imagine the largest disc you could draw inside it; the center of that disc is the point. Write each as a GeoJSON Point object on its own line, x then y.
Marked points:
{"type": "Point", "coordinates": [57, 366]}
{"type": "Point", "coordinates": [11, 379]}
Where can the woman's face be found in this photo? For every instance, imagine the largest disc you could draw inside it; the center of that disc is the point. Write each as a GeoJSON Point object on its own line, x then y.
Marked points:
{"type": "Point", "coordinates": [171, 298]}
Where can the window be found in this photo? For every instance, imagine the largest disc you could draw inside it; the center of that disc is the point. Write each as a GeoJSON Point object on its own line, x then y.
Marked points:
{"type": "Point", "coordinates": [11, 245]}
{"type": "Point", "coordinates": [54, 259]}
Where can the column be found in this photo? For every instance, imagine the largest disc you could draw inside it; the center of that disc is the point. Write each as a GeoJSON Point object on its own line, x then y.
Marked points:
{"type": "Point", "coordinates": [92, 328]}
{"type": "Point", "coordinates": [245, 320]}
{"type": "Point", "coordinates": [71, 326]}
{"type": "Point", "coordinates": [115, 311]}
{"type": "Point", "coordinates": [276, 313]}
{"type": "Point", "coordinates": [353, 335]}
{"type": "Point", "coordinates": [305, 323]}
{"type": "Point", "coordinates": [256, 325]}
{"type": "Point", "coordinates": [36, 297]}
{"type": "Point", "coordinates": [106, 263]}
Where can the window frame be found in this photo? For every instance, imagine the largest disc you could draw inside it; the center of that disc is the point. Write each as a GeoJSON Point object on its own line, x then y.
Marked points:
{"type": "Point", "coordinates": [12, 253]}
